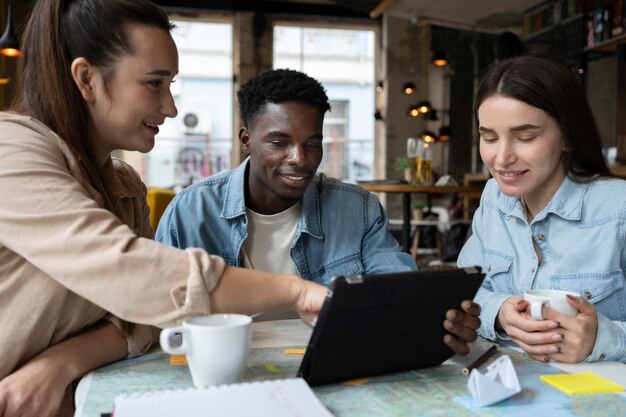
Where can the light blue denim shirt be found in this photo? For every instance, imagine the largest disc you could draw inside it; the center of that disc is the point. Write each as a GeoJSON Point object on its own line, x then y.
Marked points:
{"type": "Point", "coordinates": [342, 230]}
{"type": "Point", "coordinates": [581, 235]}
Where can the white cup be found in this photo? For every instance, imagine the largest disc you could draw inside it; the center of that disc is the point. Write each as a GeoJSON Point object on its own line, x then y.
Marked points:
{"type": "Point", "coordinates": [217, 347]}
{"type": "Point", "coordinates": [554, 299]}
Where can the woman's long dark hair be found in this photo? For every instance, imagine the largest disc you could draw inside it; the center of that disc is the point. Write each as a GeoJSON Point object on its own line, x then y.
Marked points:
{"type": "Point", "coordinates": [60, 31]}
{"type": "Point", "coordinates": [550, 86]}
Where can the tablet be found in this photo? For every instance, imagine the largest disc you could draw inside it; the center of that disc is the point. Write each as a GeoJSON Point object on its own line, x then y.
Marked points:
{"type": "Point", "coordinates": [376, 324]}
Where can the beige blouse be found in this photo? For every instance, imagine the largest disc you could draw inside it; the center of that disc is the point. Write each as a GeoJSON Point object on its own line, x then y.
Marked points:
{"type": "Point", "coordinates": [65, 261]}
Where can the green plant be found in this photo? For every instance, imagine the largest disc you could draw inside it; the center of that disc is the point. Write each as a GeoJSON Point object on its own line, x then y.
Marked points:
{"type": "Point", "coordinates": [419, 205]}
{"type": "Point", "coordinates": [402, 163]}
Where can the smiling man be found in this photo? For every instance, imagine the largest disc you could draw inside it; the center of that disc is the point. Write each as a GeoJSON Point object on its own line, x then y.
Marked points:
{"type": "Point", "coordinates": [274, 212]}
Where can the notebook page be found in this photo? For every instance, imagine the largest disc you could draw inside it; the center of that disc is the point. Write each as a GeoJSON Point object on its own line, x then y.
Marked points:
{"type": "Point", "coordinates": [277, 398]}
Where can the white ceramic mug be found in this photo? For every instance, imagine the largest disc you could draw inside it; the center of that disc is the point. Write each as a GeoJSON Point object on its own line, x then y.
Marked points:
{"type": "Point", "coordinates": [554, 299]}
{"type": "Point", "coordinates": [217, 347]}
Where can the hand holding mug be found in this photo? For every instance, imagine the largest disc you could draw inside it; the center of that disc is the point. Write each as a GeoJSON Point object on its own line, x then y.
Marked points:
{"type": "Point", "coordinates": [535, 337]}
{"type": "Point", "coordinates": [578, 333]}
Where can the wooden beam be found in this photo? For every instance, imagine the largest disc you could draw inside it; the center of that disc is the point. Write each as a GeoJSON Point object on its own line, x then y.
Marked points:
{"type": "Point", "coordinates": [380, 8]}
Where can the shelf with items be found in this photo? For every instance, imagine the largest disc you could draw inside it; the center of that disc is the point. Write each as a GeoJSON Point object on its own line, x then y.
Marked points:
{"type": "Point", "coordinates": [570, 29]}
{"type": "Point", "coordinates": [605, 26]}
{"type": "Point", "coordinates": [608, 46]}
{"type": "Point", "coordinates": [563, 38]}
{"type": "Point", "coordinates": [538, 20]}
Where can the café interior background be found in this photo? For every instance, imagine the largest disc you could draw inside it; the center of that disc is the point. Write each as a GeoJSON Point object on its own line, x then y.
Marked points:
{"type": "Point", "coordinates": [366, 52]}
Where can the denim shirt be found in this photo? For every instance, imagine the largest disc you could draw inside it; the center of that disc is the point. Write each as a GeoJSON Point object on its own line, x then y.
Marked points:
{"type": "Point", "coordinates": [342, 230]}
{"type": "Point", "coordinates": [580, 234]}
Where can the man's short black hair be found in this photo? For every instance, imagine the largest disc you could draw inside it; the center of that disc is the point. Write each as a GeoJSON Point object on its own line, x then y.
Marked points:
{"type": "Point", "coordinates": [278, 86]}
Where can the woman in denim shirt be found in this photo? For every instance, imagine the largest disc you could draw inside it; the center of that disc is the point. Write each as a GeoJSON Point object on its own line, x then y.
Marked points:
{"type": "Point", "coordinates": [553, 216]}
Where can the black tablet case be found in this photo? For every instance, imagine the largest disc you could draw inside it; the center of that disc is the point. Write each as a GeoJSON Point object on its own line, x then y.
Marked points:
{"type": "Point", "coordinates": [377, 324]}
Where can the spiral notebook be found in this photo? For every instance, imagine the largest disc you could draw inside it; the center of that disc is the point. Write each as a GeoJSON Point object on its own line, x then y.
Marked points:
{"type": "Point", "coordinates": [275, 398]}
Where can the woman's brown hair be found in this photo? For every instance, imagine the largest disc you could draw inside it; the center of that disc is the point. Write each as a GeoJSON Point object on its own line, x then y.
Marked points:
{"type": "Point", "coordinates": [549, 85]}
{"type": "Point", "coordinates": [60, 31]}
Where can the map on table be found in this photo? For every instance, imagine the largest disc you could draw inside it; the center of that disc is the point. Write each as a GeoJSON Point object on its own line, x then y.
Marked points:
{"type": "Point", "coordinates": [435, 392]}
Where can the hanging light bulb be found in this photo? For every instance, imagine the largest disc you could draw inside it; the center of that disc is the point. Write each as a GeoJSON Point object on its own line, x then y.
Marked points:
{"type": "Point", "coordinates": [409, 88]}
{"type": "Point", "coordinates": [445, 133]}
{"type": "Point", "coordinates": [4, 79]}
{"type": "Point", "coordinates": [439, 58]}
{"type": "Point", "coordinates": [9, 44]}
{"type": "Point", "coordinates": [424, 106]}
{"type": "Point", "coordinates": [428, 136]}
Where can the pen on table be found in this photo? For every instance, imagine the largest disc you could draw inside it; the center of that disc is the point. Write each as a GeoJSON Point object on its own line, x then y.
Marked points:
{"type": "Point", "coordinates": [480, 360]}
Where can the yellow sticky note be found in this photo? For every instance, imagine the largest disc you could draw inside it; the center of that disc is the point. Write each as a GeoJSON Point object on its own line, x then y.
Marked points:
{"type": "Point", "coordinates": [358, 381]}
{"type": "Point", "coordinates": [583, 383]}
{"type": "Point", "coordinates": [271, 368]}
{"type": "Point", "coordinates": [178, 360]}
{"type": "Point", "coordinates": [295, 351]}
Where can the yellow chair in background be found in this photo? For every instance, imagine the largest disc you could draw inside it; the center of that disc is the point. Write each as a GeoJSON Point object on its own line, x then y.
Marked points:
{"type": "Point", "coordinates": [158, 199]}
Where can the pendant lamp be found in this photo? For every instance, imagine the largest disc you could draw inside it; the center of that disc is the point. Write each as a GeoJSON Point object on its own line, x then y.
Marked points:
{"type": "Point", "coordinates": [9, 44]}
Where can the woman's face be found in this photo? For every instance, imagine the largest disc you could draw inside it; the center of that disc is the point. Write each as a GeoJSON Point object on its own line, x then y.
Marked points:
{"type": "Point", "coordinates": [127, 112]}
{"type": "Point", "coordinates": [522, 147]}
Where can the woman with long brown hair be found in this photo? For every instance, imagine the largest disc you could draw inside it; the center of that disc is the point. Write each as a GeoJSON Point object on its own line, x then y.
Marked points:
{"type": "Point", "coordinates": [552, 217]}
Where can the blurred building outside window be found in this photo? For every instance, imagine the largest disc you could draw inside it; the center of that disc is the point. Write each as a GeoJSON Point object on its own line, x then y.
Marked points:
{"type": "Point", "coordinates": [343, 61]}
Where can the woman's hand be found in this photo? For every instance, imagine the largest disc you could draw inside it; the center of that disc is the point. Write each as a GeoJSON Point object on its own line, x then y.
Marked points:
{"type": "Point", "coordinates": [558, 337]}
{"type": "Point", "coordinates": [462, 324]}
{"type": "Point", "coordinates": [37, 388]}
{"type": "Point", "coordinates": [578, 333]}
{"type": "Point", "coordinates": [538, 338]}
{"type": "Point", "coordinates": [310, 300]}
{"type": "Point", "coordinates": [34, 390]}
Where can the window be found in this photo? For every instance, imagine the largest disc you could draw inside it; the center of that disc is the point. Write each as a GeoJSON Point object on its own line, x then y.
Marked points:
{"type": "Point", "coordinates": [197, 143]}
{"type": "Point", "coordinates": [343, 61]}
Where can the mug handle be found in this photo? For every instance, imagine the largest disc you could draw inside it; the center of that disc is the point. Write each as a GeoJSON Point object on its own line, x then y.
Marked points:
{"type": "Point", "coordinates": [535, 309]}
{"type": "Point", "coordinates": [166, 336]}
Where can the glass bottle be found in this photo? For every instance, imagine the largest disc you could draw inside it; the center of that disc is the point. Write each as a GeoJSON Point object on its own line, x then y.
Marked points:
{"type": "Point", "coordinates": [412, 157]}
{"type": "Point", "coordinates": [426, 177]}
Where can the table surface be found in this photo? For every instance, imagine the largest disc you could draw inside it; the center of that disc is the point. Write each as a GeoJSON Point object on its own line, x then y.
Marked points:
{"type": "Point", "coordinates": [435, 391]}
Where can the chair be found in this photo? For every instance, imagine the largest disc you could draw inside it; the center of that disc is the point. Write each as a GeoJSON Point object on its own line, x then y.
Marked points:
{"type": "Point", "coordinates": [439, 225]}
{"type": "Point", "coordinates": [158, 199]}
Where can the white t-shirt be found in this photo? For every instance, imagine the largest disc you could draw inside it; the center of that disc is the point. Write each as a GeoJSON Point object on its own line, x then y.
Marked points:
{"type": "Point", "coordinates": [269, 240]}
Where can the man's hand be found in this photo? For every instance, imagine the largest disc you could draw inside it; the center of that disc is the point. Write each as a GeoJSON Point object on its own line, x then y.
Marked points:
{"type": "Point", "coordinates": [462, 324]}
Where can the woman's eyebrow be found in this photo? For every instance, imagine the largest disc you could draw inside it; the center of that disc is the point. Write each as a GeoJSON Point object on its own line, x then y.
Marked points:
{"type": "Point", "coordinates": [526, 126]}
{"type": "Point", "coordinates": [519, 128]}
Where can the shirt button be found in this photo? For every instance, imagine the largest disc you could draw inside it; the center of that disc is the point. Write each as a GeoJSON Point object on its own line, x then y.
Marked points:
{"type": "Point", "coordinates": [587, 295]}
{"type": "Point", "coordinates": [542, 237]}
{"type": "Point", "coordinates": [489, 268]}
{"type": "Point", "coordinates": [533, 269]}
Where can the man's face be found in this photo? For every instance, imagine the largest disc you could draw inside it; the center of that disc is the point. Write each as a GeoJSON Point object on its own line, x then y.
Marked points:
{"type": "Point", "coordinates": [285, 147]}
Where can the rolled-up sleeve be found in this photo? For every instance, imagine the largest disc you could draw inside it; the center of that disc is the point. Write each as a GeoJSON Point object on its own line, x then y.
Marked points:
{"type": "Point", "coordinates": [139, 337]}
